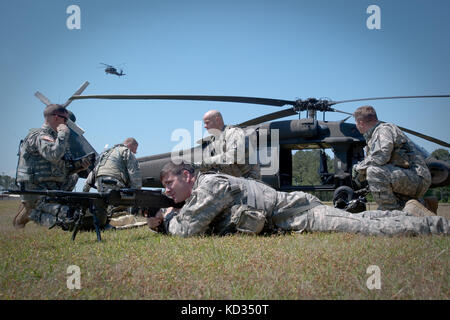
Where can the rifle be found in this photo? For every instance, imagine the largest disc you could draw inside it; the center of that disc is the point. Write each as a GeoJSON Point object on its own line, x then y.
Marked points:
{"type": "Point", "coordinates": [79, 202]}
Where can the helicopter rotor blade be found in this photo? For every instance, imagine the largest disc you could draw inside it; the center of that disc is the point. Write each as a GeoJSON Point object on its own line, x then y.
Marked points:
{"type": "Point", "coordinates": [262, 101]}
{"type": "Point", "coordinates": [251, 100]}
{"type": "Point", "coordinates": [424, 136]}
{"type": "Point", "coordinates": [343, 120]}
{"type": "Point", "coordinates": [415, 133]}
{"type": "Point", "coordinates": [389, 98]}
{"type": "Point", "coordinates": [76, 93]}
{"type": "Point", "coordinates": [43, 98]}
{"type": "Point", "coordinates": [72, 125]}
{"type": "Point", "coordinates": [335, 110]}
{"type": "Point", "coordinates": [268, 117]}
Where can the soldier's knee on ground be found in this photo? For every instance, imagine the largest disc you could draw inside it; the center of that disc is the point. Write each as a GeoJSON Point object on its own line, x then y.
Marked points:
{"type": "Point", "coordinates": [47, 214]}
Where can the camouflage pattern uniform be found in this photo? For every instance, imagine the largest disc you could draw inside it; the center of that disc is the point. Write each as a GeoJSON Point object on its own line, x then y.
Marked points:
{"type": "Point", "coordinates": [221, 204]}
{"type": "Point", "coordinates": [41, 167]}
{"type": "Point", "coordinates": [116, 164]}
{"type": "Point", "coordinates": [395, 170]}
{"type": "Point", "coordinates": [229, 154]}
{"type": "Point", "coordinates": [117, 168]}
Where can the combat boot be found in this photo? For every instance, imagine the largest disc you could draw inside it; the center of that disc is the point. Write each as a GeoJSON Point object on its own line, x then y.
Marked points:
{"type": "Point", "coordinates": [21, 218]}
{"type": "Point", "coordinates": [415, 208]}
{"type": "Point", "coordinates": [431, 203]}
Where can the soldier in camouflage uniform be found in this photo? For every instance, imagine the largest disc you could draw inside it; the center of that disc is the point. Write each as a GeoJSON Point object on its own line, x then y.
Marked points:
{"type": "Point", "coordinates": [220, 204]}
{"type": "Point", "coordinates": [42, 167]}
{"type": "Point", "coordinates": [395, 170]}
{"type": "Point", "coordinates": [72, 180]}
{"type": "Point", "coordinates": [116, 168]}
{"type": "Point", "coordinates": [228, 150]}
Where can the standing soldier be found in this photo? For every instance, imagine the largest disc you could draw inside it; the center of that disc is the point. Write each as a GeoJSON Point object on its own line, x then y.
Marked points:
{"type": "Point", "coordinates": [395, 170]}
{"type": "Point", "coordinates": [42, 166]}
{"type": "Point", "coordinates": [228, 151]}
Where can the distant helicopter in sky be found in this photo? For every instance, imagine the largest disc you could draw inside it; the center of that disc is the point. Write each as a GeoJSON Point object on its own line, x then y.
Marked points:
{"type": "Point", "coordinates": [112, 70]}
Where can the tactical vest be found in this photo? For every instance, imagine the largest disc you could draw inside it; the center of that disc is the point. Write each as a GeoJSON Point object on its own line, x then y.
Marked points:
{"type": "Point", "coordinates": [252, 207]}
{"type": "Point", "coordinates": [253, 193]}
{"type": "Point", "coordinates": [112, 164]}
{"type": "Point", "coordinates": [257, 206]}
{"type": "Point", "coordinates": [33, 167]}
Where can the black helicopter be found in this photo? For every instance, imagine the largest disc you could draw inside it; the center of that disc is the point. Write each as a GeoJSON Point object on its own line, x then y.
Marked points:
{"type": "Point", "coordinates": [342, 138]}
{"type": "Point", "coordinates": [112, 70]}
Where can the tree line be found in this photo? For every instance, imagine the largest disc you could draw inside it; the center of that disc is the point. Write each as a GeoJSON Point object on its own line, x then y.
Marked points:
{"type": "Point", "coordinates": [7, 182]}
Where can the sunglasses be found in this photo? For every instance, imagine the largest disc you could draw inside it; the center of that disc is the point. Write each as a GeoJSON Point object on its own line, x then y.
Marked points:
{"type": "Point", "coordinates": [60, 116]}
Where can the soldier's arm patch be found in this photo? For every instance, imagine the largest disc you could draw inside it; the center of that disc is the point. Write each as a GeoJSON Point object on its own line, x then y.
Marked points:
{"type": "Point", "coordinates": [47, 138]}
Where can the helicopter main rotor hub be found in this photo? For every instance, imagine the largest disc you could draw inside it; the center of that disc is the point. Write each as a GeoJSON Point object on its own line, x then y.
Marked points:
{"type": "Point", "coordinates": [312, 104]}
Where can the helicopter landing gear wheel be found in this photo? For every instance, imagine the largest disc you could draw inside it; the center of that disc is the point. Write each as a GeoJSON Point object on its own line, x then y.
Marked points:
{"type": "Point", "coordinates": [342, 196]}
{"type": "Point", "coordinates": [345, 198]}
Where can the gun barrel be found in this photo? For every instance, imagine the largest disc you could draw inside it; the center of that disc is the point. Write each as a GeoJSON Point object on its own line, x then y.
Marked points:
{"type": "Point", "coordinates": [122, 197]}
{"type": "Point", "coordinates": [58, 193]}
{"type": "Point", "coordinates": [140, 198]}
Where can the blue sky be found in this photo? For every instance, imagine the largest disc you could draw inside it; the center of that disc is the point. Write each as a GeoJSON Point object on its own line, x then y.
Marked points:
{"type": "Point", "coordinates": [272, 49]}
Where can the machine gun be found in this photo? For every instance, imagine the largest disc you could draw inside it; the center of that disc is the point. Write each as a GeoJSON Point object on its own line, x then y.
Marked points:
{"type": "Point", "coordinates": [80, 202]}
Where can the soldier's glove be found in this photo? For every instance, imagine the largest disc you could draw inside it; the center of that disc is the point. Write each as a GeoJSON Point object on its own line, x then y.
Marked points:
{"type": "Point", "coordinates": [85, 163]}
{"type": "Point", "coordinates": [63, 127]}
{"type": "Point", "coordinates": [357, 176]}
{"type": "Point", "coordinates": [356, 205]}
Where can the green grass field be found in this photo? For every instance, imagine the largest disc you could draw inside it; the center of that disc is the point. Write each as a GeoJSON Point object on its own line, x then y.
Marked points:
{"type": "Point", "coordinates": [139, 264]}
